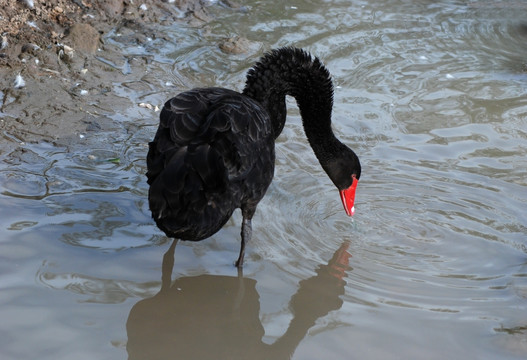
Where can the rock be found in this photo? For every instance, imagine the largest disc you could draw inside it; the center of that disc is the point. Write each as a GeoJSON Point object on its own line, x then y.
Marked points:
{"type": "Point", "coordinates": [30, 48]}
{"type": "Point", "coordinates": [65, 53]}
{"type": "Point", "coordinates": [235, 45]}
{"type": "Point", "coordinates": [112, 8]}
{"type": "Point", "coordinates": [29, 3]}
{"type": "Point", "coordinates": [5, 43]}
{"type": "Point", "coordinates": [83, 38]}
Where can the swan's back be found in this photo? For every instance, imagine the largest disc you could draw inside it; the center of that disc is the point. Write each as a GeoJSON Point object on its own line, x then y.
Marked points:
{"type": "Point", "coordinates": [213, 152]}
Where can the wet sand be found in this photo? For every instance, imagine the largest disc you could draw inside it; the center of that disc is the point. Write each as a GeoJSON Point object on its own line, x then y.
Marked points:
{"type": "Point", "coordinates": [53, 86]}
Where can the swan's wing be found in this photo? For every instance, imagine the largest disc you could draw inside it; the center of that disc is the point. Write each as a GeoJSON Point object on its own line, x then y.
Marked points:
{"type": "Point", "coordinates": [240, 132]}
{"type": "Point", "coordinates": [180, 120]}
{"type": "Point", "coordinates": [234, 126]}
{"type": "Point", "coordinates": [207, 143]}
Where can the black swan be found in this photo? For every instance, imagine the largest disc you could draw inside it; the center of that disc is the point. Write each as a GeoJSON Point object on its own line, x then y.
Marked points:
{"type": "Point", "coordinates": [214, 149]}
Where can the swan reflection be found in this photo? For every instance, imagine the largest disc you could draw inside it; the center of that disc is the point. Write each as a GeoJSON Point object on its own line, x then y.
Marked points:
{"type": "Point", "coordinates": [217, 317]}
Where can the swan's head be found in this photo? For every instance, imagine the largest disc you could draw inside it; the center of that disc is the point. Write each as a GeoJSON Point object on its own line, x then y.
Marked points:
{"type": "Point", "coordinates": [344, 171]}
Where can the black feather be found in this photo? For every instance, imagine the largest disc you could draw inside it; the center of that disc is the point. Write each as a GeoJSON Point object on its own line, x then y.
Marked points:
{"type": "Point", "coordinates": [214, 149]}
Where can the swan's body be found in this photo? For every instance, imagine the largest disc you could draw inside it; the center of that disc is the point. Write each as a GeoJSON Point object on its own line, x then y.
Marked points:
{"type": "Point", "coordinates": [214, 149]}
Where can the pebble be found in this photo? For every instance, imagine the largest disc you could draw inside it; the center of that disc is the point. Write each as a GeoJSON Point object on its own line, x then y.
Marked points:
{"type": "Point", "coordinates": [234, 45]}
{"type": "Point", "coordinates": [149, 106]}
{"type": "Point", "coordinates": [33, 25]}
{"type": "Point", "coordinates": [29, 3]}
{"type": "Point", "coordinates": [4, 42]}
{"type": "Point", "coordinates": [84, 38]}
{"type": "Point", "coordinates": [65, 52]}
{"type": "Point", "coordinates": [112, 8]}
{"type": "Point", "coordinates": [30, 48]}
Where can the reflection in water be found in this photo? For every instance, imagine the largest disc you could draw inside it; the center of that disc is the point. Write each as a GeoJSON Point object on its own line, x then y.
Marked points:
{"type": "Point", "coordinates": [217, 317]}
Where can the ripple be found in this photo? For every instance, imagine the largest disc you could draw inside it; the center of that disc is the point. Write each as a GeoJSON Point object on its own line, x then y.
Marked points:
{"type": "Point", "coordinates": [432, 98]}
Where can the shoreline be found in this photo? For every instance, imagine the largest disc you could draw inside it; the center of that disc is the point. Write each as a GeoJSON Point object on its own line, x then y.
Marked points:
{"type": "Point", "coordinates": [52, 86]}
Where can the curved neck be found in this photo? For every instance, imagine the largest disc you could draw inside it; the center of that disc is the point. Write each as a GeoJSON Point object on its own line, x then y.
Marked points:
{"type": "Point", "coordinates": [290, 71]}
{"type": "Point", "coordinates": [293, 72]}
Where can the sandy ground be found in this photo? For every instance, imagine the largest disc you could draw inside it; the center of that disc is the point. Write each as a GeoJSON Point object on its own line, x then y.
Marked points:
{"type": "Point", "coordinates": [47, 61]}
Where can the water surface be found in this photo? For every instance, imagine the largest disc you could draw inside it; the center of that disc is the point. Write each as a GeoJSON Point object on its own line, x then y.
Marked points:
{"type": "Point", "coordinates": [432, 96]}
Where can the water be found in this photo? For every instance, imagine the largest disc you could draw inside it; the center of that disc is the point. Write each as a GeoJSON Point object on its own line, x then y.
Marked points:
{"type": "Point", "coordinates": [432, 96]}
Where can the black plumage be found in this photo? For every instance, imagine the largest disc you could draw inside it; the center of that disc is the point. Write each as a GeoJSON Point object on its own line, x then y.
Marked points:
{"type": "Point", "coordinates": [214, 149]}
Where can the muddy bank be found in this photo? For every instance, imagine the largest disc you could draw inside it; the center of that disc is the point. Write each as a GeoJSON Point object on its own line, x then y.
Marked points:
{"type": "Point", "coordinates": [53, 85]}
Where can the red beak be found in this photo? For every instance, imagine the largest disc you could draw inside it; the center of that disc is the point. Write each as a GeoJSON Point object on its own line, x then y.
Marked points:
{"type": "Point", "coordinates": [348, 197]}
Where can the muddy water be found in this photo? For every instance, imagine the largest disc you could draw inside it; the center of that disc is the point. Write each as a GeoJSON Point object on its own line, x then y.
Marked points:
{"type": "Point", "coordinates": [433, 265]}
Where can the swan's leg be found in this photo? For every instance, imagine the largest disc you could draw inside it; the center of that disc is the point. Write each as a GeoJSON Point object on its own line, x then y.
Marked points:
{"type": "Point", "coordinates": [246, 237]}
{"type": "Point", "coordinates": [168, 265]}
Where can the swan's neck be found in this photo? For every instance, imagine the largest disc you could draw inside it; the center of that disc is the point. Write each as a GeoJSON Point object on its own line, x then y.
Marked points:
{"type": "Point", "coordinates": [290, 71]}
{"type": "Point", "coordinates": [293, 72]}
